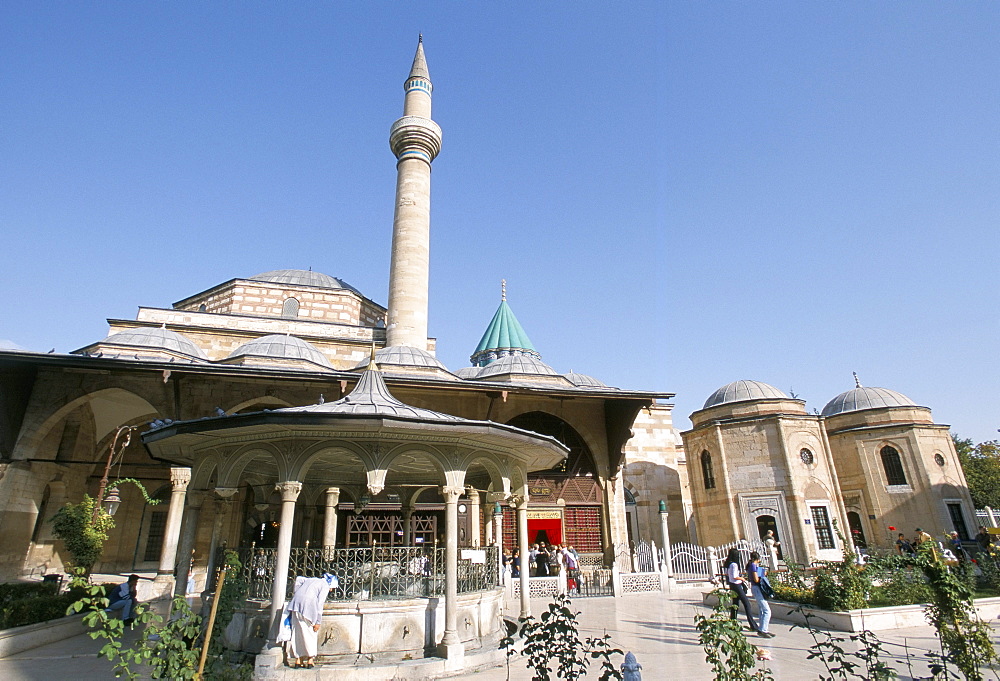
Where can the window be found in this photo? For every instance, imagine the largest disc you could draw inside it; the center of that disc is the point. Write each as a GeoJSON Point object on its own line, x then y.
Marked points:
{"type": "Point", "coordinates": [290, 308]}
{"type": "Point", "coordinates": [154, 537]}
{"type": "Point", "coordinates": [893, 466]}
{"type": "Point", "coordinates": [706, 470]}
{"type": "Point", "coordinates": [958, 520]}
{"type": "Point", "coordinates": [821, 521]}
{"type": "Point", "coordinates": [807, 457]}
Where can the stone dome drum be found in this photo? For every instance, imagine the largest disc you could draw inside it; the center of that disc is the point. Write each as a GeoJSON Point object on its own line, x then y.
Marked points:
{"type": "Point", "coordinates": [742, 391]}
{"type": "Point", "coordinates": [282, 347]}
{"type": "Point", "coordinates": [859, 399]}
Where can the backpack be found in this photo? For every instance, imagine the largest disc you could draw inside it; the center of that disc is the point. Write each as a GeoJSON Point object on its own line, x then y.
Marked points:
{"type": "Point", "coordinates": [765, 586]}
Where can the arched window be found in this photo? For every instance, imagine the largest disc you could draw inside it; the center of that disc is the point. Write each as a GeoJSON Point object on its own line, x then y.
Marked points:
{"type": "Point", "coordinates": [290, 308]}
{"type": "Point", "coordinates": [893, 466]}
{"type": "Point", "coordinates": [706, 470]}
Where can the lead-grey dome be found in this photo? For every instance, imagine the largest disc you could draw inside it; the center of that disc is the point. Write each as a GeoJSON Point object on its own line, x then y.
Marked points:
{"type": "Point", "coordinates": [866, 398]}
{"type": "Point", "coordinates": [517, 364]}
{"type": "Point", "coordinates": [468, 373]}
{"type": "Point", "coordinates": [303, 278]}
{"type": "Point", "coordinates": [403, 355]}
{"type": "Point", "coordinates": [741, 391]}
{"type": "Point", "coordinates": [284, 347]}
{"type": "Point", "coordinates": [156, 337]}
{"type": "Point", "coordinates": [584, 381]}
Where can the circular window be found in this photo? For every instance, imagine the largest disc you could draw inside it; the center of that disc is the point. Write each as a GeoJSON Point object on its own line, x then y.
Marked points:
{"type": "Point", "coordinates": [807, 457]}
{"type": "Point", "coordinates": [938, 459]}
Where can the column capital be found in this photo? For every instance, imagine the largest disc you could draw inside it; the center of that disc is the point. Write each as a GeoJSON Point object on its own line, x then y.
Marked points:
{"type": "Point", "coordinates": [451, 494]}
{"type": "Point", "coordinates": [332, 495]}
{"type": "Point", "coordinates": [519, 502]}
{"type": "Point", "coordinates": [180, 478]}
{"type": "Point", "coordinates": [227, 492]}
{"type": "Point", "coordinates": [289, 490]}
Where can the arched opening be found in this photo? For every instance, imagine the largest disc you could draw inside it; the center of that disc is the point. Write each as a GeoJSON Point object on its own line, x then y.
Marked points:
{"type": "Point", "coordinates": [857, 530]}
{"type": "Point", "coordinates": [893, 466]}
{"type": "Point", "coordinates": [766, 523]}
{"type": "Point", "coordinates": [707, 473]}
{"type": "Point", "coordinates": [578, 520]}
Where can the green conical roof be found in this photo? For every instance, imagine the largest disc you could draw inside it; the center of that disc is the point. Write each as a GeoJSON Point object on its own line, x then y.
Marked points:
{"type": "Point", "coordinates": [504, 332]}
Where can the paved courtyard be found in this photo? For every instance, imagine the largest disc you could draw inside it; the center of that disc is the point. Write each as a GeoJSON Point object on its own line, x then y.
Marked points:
{"type": "Point", "coordinates": [658, 629]}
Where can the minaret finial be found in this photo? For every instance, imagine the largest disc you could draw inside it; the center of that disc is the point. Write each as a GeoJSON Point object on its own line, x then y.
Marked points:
{"type": "Point", "coordinates": [857, 382]}
{"type": "Point", "coordinates": [420, 38]}
{"type": "Point", "coordinates": [372, 365]}
{"type": "Point", "coordinates": [503, 290]}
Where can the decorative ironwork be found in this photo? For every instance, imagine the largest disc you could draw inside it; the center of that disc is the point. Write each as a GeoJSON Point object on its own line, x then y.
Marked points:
{"type": "Point", "coordinates": [381, 572]}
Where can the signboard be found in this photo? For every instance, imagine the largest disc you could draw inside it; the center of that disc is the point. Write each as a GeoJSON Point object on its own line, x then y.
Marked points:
{"type": "Point", "coordinates": [540, 491]}
{"type": "Point", "coordinates": [475, 555]}
{"type": "Point", "coordinates": [539, 514]}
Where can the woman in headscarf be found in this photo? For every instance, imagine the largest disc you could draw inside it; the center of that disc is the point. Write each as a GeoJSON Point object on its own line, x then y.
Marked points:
{"type": "Point", "coordinates": [305, 614]}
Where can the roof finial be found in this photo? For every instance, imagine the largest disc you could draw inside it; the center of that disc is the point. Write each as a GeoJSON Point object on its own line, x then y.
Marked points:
{"type": "Point", "coordinates": [857, 382]}
{"type": "Point", "coordinates": [420, 38]}
{"type": "Point", "coordinates": [372, 366]}
{"type": "Point", "coordinates": [503, 290]}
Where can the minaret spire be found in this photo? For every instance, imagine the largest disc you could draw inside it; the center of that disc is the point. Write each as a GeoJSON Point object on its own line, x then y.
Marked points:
{"type": "Point", "coordinates": [415, 140]}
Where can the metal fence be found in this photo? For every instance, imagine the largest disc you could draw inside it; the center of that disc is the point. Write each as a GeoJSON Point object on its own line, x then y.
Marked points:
{"type": "Point", "coordinates": [372, 573]}
{"type": "Point", "coordinates": [690, 562]}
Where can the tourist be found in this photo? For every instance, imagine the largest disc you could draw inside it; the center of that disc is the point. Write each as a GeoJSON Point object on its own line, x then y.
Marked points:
{"type": "Point", "coordinates": [773, 545]}
{"type": "Point", "coordinates": [903, 547]}
{"type": "Point", "coordinates": [572, 571]}
{"type": "Point", "coordinates": [532, 557]}
{"type": "Point", "coordinates": [123, 597]}
{"type": "Point", "coordinates": [921, 538]}
{"type": "Point", "coordinates": [738, 586]}
{"type": "Point", "coordinates": [515, 564]}
{"type": "Point", "coordinates": [756, 575]}
{"type": "Point", "coordinates": [542, 561]}
{"type": "Point", "coordinates": [956, 547]}
{"type": "Point", "coordinates": [984, 539]}
{"type": "Point", "coordinates": [303, 617]}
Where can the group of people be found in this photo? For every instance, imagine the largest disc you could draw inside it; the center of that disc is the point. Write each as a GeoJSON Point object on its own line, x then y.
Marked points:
{"type": "Point", "coordinates": [751, 580]}
{"type": "Point", "coordinates": [909, 547]}
{"type": "Point", "coordinates": [547, 561]}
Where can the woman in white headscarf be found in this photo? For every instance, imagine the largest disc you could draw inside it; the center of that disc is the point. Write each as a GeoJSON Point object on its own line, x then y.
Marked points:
{"type": "Point", "coordinates": [305, 613]}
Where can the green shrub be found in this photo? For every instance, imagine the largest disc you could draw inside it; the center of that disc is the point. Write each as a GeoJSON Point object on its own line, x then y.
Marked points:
{"type": "Point", "coordinates": [17, 591]}
{"type": "Point", "coordinates": [33, 610]}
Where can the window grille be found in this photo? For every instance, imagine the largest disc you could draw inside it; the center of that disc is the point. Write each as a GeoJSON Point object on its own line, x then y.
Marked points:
{"type": "Point", "coordinates": [821, 521]}
{"type": "Point", "coordinates": [893, 466]}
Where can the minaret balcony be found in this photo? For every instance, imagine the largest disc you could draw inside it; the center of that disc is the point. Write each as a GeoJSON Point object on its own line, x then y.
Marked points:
{"type": "Point", "coordinates": [415, 136]}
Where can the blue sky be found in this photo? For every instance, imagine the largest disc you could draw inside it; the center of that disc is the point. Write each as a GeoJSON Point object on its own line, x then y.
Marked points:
{"type": "Point", "coordinates": [679, 194]}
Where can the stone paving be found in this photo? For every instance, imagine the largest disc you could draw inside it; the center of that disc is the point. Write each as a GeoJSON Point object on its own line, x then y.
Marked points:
{"type": "Point", "coordinates": [659, 629]}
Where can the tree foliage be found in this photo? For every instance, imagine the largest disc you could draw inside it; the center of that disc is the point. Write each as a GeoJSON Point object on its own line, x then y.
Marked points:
{"type": "Point", "coordinates": [981, 464]}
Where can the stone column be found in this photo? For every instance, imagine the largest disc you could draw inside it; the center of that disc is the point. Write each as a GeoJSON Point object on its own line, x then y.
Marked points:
{"type": "Point", "coordinates": [477, 517]}
{"type": "Point", "coordinates": [179, 479]}
{"type": "Point", "coordinates": [668, 568]}
{"type": "Point", "coordinates": [451, 645]}
{"type": "Point", "coordinates": [189, 532]}
{"type": "Point", "coordinates": [289, 493]}
{"type": "Point", "coordinates": [330, 519]}
{"type": "Point", "coordinates": [522, 544]}
{"type": "Point", "coordinates": [223, 507]}
{"type": "Point", "coordinates": [498, 528]}
{"type": "Point", "coordinates": [408, 525]}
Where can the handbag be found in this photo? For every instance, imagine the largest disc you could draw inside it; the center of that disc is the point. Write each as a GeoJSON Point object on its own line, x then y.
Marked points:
{"type": "Point", "coordinates": [765, 587]}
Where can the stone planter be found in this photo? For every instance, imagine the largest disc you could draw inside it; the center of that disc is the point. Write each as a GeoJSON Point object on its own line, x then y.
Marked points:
{"type": "Point", "coordinates": [872, 619]}
{"type": "Point", "coordinates": [19, 639]}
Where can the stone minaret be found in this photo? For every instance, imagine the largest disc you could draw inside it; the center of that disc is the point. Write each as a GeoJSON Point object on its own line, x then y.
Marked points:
{"type": "Point", "coordinates": [415, 140]}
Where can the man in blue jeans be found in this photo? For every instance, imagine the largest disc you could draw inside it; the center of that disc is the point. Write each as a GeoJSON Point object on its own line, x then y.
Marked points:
{"type": "Point", "coordinates": [122, 597]}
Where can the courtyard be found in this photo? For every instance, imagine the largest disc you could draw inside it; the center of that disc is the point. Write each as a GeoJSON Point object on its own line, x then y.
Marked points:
{"type": "Point", "coordinates": [658, 629]}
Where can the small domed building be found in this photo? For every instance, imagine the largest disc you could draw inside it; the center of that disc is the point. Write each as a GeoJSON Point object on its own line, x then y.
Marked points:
{"type": "Point", "coordinates": [759, 462]}
{"type": "Point", "coordinates": [897, 467]}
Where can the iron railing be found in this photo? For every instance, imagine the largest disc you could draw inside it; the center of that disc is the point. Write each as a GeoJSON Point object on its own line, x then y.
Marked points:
{"type": "Point", "coordinates": [372, 573]}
